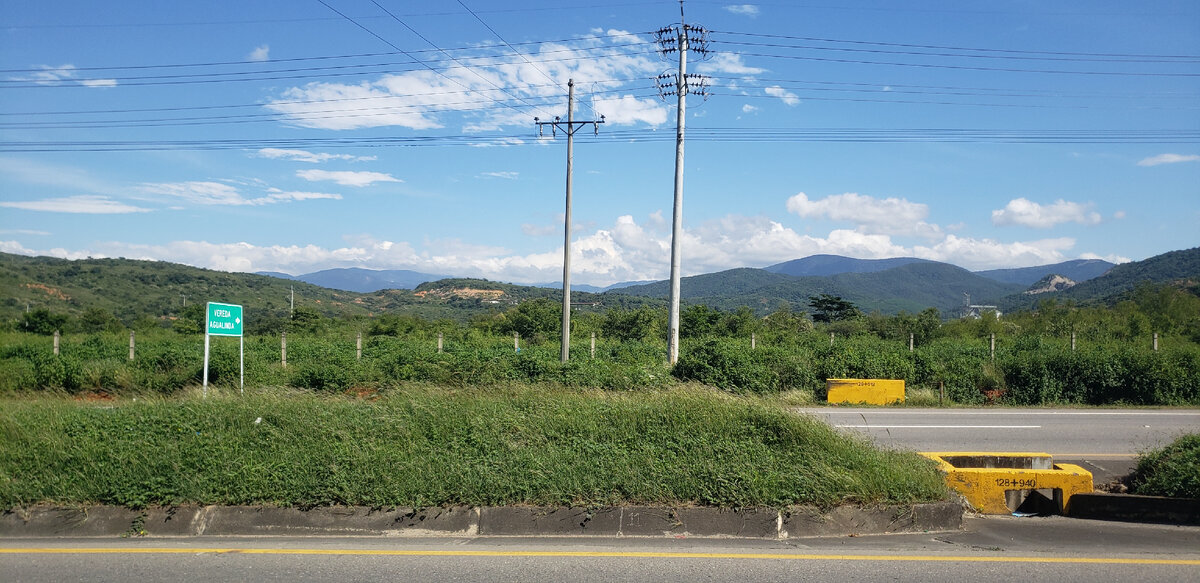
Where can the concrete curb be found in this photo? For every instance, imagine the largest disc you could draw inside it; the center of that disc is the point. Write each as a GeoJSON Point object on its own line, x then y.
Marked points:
{"type": "Point", "coordinates": [621, 521]}
{"type": "Point", "coordinates": [1134, 508]}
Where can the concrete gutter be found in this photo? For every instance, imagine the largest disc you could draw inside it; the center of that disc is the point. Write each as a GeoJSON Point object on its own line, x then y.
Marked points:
{"type": "Point", "coordinates": [1134, 508]}
{"type": "Point", "coordinates": [640, 521]}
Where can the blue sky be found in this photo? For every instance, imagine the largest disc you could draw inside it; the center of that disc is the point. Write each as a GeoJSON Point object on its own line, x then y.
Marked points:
{"type": "Point", "coordinates": [304, 135]}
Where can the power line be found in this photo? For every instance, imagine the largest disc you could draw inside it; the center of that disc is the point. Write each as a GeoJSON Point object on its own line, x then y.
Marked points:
{"type": "Point", "coordinates": [973, 68]}
{"type": "Point", "coordinates": [1082, 55]}
{"type": "Point", "coordinates": [434, 45]}
{"type": "Point", "coordinates": [716, 135]}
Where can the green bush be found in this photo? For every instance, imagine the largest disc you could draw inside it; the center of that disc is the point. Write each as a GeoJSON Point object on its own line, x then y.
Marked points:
{"type": "Point", "coordinates": [1170, 471]}
{"type": "Point", "coordinates": [726, 365]}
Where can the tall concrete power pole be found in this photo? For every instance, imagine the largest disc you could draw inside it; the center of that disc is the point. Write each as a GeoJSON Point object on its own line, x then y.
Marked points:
{"type": "Point", "coordinates": [569, 127]}
{"type": "Point", "coordinates": [684, 84]}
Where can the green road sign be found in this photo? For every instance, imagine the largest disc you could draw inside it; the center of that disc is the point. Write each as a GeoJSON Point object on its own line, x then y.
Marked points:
{"type": "Point", "coordinates": [223, 319]}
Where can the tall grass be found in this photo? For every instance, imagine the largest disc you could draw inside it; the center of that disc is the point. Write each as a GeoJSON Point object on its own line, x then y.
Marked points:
{"type": "Point", "coordinates": [426, 446]}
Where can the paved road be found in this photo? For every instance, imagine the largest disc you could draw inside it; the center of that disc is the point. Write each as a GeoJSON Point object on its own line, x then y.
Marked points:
{"type": "Point", "coordinates": [1104, 441]}
{"type": "Point", "coordinates": [1002, 548]}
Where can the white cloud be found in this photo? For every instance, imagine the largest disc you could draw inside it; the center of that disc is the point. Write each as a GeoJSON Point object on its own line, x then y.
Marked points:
{"type": "Point", "coordinates": [987, 253]}
{"type": "Point", "coordinates": [1112, 258]}
{"type": "Point", "coordinates": [347, 178]}
{"type": "Point", "coordinates": [61, 75]}
{"type": "Point", "coordinates": [747, 108]}
{"type": "Point", "coordinates": [786, 96]}
{"type": "Point", "coordinates": [505, 175]}
{"type": "Point", "coordinates": [306, 156]}
{"type": "Point", "coordinates": [1168, 159]}
{"type": "Point", "coordinates": [82, 204]}
{"type": "Point", "coordinates": [743, 9]}
{"type": "Point", "coordinates": [219, 193]}
{"type": "Point", "coordinates": [888, 216]}
{"type": "Point", "coordinates": [627, 250]}
{"type": "Point", "coordinates": [1024, 212]}
{"type": "Point", "coordinates": [727, 63]}
{"type": "Point", "coordinates": [629, 110]}
{"type": "Point", "coordinates": [261, 53]}
{"type": "Point", "coordinates": [423, 99]}
{"type": "Point", "coordinates": [25, 232]}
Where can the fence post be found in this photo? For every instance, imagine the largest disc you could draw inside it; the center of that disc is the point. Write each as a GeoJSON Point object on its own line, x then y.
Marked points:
{"type": "Point", "coordinates": [56, 343]}
{"type": "Point", "coordinates": [283, 348]}
{"type": "Point", "coordinates": [517, 341]}
{"type": "Point", "coordinates": [358, 346]}
{"type": "Point", "coordinates": [593, 345]}
{"type": "Point", "coordinates": [753, 341]}
{"type": "Point", "coordinates": [993, 347]}
{"type": "Point", "coordinates": [439, 342]}
{"type": "Point", "coordinates": [131, 345]}
{"type": "Point", "coordinates": [910, 341]}
{"type": "Point", "coordinates": [1155, 341]}
{"type": "Point", "coordinates": [941, 392]}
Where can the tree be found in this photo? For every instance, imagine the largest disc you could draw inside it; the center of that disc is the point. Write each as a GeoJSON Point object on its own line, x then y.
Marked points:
{"type": "Point", "coordinates": [626, 325]}
{"type": "Point", "coordinates": [96, 319]}
{"type": "Point", "coordinates": [829, 308]}
{"type": "Point", "coordinates": [43, 321]}
{"type": "Point", "coordinates": [698, 320]}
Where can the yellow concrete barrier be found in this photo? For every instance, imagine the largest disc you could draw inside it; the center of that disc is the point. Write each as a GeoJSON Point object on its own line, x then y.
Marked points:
{"type": "Point", "coordinates": [989, 480]}
{"type": "Point", "coordinates": [869, 391]}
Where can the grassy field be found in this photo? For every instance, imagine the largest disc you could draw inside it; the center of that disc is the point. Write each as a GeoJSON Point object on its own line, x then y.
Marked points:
{"type": "Point", "coordinates": [426, 446]}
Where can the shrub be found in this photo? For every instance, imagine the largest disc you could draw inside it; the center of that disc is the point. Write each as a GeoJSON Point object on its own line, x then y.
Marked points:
{"type": "Point", "coordinates": [1171, 471]}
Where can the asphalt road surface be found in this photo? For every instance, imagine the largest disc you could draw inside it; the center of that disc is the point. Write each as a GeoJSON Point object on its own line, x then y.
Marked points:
{"type": "Point", "coordinates": [1104, 441]}
{"type": "Point", "coordinates": [988, 549]}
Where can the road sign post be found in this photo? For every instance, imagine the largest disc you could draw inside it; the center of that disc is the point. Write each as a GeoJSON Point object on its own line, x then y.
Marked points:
{"type": "Point", "coordinates": [225, 320]}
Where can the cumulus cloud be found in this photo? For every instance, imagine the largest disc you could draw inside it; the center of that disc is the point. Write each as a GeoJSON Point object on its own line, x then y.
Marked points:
{"type": "Point", "coordinates": [985, 253]}
{"type": "Point", "coordinates": [1024, 212]}
{"type": "Point", "coordinates": [220, 193]}
{"type": "Point", "coordinates": [625, 250]}
{"type": "Point", "coordinates": [347, 178]}
{"type": "Point", "coordinates": [743, 9]}
{"type": "Point", "coordinates": [306, 156]}
{"type": "Point", "coordinates": [261, 53]}
{"type": "Point", "coordinates": [82, 204]}
{"type": "Point", "coordinates": [629, 110]}
{"type": "Point", "coordinates": [747, 108]}
{"type": "Point", "coordinates": [1168, 159]}
{"type": "Point", "coordinates": [423, 99]}
{"type": "Point", "coordinates": [889, 216]}
{"type": "Point", "coordinates": [784, 95]}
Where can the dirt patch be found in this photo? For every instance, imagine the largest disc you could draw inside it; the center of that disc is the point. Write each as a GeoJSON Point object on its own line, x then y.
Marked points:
{"type": "Point", "coordinates": [50, 291]}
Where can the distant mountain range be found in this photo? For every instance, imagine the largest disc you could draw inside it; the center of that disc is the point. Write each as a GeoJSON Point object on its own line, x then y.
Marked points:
{"type": "Point", "coordinates": [836, 265]}
{"type": "Point", "coordinates": [161, 290]}
{"type": "Point", "coordinates": [1076, 271]}
{"type": "Point", "coordinates": [911, 286]}
{"type": "Point", "coordinates": [360, 280]}
{"type": "Point", "coordinates": [371, 280]}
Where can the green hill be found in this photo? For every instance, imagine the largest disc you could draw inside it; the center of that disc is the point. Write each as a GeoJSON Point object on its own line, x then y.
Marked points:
{"type": "Point", "coordinates": [912, 287]}
{"type": "Point", "coordinates": [132, 289]}
{"type": "Point", "coordinates": [1179, 268]}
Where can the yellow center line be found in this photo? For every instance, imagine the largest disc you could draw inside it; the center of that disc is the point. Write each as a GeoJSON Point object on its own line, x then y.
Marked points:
{"type": "Point", "coordinates": [601, 554]}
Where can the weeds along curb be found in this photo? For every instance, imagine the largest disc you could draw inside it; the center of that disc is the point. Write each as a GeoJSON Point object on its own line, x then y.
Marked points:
{"type": "Point", "coordinates": [645, 521]}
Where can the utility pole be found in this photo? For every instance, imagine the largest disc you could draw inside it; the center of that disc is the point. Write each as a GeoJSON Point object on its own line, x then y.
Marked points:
{"type": "Point", "coordinates": [569, 128]}
{"type": "Point", "coordinates": [292, 309]}
{"type": "Point", "coordinates": [684, 84]}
